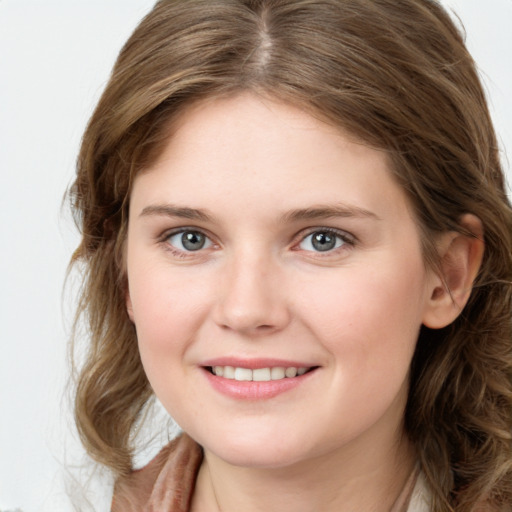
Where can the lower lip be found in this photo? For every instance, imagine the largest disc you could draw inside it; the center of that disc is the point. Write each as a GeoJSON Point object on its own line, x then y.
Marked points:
{"type": "Point", "coordinates": [251, 390]}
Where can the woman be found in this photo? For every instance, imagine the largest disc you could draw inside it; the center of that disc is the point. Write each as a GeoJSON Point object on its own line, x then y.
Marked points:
{"type": "Point", "coordinates": [295, 233]}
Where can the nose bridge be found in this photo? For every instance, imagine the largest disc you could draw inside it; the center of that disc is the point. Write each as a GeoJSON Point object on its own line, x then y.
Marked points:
{"type": "Point", "coordinates": [251, 299]}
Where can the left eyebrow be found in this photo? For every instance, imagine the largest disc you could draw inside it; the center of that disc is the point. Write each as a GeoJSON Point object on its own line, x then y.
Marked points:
{"type": "Point", "coordinates": [329, 211]}
{"type": "Point", "coordinates": [182, 212]}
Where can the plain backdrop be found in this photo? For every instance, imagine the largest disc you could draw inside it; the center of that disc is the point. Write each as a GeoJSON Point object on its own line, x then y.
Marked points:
{"type": "Point", "coordinates": [55, 58]}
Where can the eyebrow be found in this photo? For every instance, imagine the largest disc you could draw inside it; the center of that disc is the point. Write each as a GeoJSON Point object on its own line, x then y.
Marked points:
{"type": "Point", "coordinates": [329, 211]}
{"type": "Point", "coordinates": [169, 210]}
{"type": "Point", "coordinates": [300, 214]}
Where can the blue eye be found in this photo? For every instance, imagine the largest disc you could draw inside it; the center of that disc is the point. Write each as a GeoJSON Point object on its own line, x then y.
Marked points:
{"type": "Point", "coordinates": [189, 241]}
{"type": "Point", "coordinates": [322, 241]}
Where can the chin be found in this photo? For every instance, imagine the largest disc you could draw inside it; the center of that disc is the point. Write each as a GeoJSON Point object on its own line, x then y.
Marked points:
{"type": "Point", "coordinates": [253, 451]}
{"type": "Point", "coordinates": [256, 458]}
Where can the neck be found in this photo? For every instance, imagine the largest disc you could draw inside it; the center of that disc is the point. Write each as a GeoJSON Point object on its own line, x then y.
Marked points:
{"type": "Point", "coordinates": [342, 481]}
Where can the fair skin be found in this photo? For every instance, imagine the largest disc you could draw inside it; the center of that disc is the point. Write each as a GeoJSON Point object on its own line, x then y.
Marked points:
{"type": "Point", "coordinates": [263, 238]}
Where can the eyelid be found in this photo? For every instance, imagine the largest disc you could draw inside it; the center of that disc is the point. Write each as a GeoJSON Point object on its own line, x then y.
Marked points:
{"type": "Point", "coordinates": [347, 238]}
{"type": "Point", "coordinates": [165, 234]}
{"type": "Point", "coordinates": [164, 239]}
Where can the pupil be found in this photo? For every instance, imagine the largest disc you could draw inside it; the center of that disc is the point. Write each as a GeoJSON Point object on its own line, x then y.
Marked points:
{"type": "Point", "coordinates": [323, 241]}
{"type": "Point", "coordinates": [192, 241]}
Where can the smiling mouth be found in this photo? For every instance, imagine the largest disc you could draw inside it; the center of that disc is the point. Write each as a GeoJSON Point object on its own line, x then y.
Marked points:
{"type": "Point", "coordinates": [258, 374]}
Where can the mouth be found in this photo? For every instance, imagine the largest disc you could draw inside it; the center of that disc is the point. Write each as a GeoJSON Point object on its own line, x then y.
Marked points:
{"type": "Point", "coordinates": [256, 379]}
{"type": "Point", "coordinates": [265, 374]}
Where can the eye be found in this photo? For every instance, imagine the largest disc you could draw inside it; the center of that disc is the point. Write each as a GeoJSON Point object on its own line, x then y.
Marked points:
{"type": "Point", "coordinates": [189, 240]}
{"type": "Point", "coordinates": [322, 241]}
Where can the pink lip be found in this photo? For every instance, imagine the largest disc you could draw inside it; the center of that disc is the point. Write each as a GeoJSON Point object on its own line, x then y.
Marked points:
{"type": "Point", "coordinates": [250, 390]}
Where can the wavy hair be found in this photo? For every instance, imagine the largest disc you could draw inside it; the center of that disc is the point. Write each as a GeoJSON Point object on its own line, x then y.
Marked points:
{"type": "Point", "coordinates": [397, 75]}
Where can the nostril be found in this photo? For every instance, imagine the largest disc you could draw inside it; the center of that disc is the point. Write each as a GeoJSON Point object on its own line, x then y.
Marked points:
{"type": "Point", "coordinates": [263, 329]}
{"type": "Point", "coordinates": [251, 314]}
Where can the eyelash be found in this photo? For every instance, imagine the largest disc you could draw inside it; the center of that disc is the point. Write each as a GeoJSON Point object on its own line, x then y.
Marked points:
{"type": "Point", "coordinates": [180, 253]}
{"type": "Point", "coordinates": [347, 241]}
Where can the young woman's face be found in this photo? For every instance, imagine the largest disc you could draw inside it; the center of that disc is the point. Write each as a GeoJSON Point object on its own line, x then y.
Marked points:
{"type": "Point", "coordinates": [261, 242]}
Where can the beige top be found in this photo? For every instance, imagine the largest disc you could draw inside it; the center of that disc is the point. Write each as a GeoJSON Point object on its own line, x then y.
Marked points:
{"type": "Point", "coordinates": [167, 483]}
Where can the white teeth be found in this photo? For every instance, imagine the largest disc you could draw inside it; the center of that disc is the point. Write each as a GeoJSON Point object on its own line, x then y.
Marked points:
{"type": "Point", "coordinates": [277, 373]}
{"type": "Point", "coordinates": [243, 374]}
{"type": "Point", "coordinates": [258, 374]}
{"type": "Point", "coordinates": [229, 372]}
{"type": "Point", "coordinates": [290, 372]}
{"type": "Point", "coordinates": [261, 374]}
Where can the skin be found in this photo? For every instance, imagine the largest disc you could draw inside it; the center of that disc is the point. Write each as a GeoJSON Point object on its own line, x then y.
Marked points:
{"type": "Point", "coordinates": [258, 288]}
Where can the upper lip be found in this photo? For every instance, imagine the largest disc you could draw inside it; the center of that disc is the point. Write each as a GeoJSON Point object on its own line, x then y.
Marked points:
{"type": "Point", "coordinates": [253, 363]}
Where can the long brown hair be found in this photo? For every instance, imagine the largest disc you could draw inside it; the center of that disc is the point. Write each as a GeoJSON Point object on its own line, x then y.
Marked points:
{"type": "Point", "coordinates": [394, 73]}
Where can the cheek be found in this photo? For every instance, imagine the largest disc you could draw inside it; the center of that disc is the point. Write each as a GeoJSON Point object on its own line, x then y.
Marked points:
{"type": "Point", "coordinates": [369, 317]}
{"type": "Point", "coordinates": [168, 312]}
{"type": "Point", "coordinates": [369, 322]}
{"type": "Point", "coordinates": [167, 309]}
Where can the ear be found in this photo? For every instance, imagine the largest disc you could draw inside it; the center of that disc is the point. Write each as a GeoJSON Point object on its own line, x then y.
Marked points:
{"type": "Point", "coordinates": [460, 259]}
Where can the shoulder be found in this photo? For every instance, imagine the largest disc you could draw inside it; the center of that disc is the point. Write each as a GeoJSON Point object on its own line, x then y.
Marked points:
{"type": "Point", "coordinates": [165, 484]}
{"type": "Point", "coordinates": [420, 498]}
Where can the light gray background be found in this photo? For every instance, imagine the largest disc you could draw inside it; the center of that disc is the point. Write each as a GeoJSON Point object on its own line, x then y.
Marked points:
{"type": "Point", "coordinates": [55, 57]}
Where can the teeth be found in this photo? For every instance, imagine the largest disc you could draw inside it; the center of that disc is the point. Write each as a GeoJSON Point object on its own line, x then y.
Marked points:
{"type": "Point", "coordinates": [290, 372]}
{"type": "Point", "coordinates": [229, 372]}
{"type": "Point", "coordinates": [258, 374]}
{"type": "Point", "coordinates": [261, 374]}
{"type": "Point", "coordinates": [243, 374]}
{"type": "Point", "coordinates": [277, 373]}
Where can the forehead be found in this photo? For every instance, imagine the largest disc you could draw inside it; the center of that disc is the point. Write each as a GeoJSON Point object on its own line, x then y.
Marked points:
{"type": "Point", "coordinates": [247, 149]}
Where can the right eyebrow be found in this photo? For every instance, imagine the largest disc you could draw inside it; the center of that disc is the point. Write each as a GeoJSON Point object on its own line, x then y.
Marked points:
{"type": "Point", "coordinates": [329, 211]}
{"type": "Point", "coordinates": [169, 210]}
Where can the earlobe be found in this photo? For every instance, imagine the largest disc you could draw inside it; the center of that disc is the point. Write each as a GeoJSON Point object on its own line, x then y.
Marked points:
{"type": "Point", "coordinates": [460, 259]}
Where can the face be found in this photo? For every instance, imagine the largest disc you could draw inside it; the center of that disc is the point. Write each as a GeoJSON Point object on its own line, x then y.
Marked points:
{"type": "Point", "coordinates": [276, 283]}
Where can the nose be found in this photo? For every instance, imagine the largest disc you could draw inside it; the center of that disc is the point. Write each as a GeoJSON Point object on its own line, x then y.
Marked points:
{"type": "Point", "coordinates": [252, 297]}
